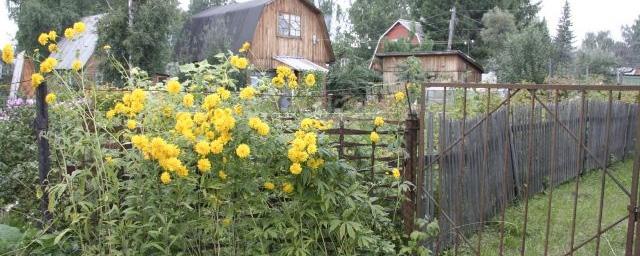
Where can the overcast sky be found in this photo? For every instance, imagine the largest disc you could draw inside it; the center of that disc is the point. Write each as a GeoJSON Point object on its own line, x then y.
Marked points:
{"type": "Point", "coordinates": [587, 16]}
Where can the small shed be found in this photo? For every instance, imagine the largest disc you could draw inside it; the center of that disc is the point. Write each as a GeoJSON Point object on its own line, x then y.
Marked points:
{"type": "Point", "coordinates": [281, 32]}
{"type": "Point", "coordinates": [443, 66]}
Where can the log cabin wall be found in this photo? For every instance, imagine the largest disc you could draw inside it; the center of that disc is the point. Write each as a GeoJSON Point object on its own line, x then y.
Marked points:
{"type": "Point", "coordinates": [267, 43]}
{"type": "Point", "coordinates": [445, 68]}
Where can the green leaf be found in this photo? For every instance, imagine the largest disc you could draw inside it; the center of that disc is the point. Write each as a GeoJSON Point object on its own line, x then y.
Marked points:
{"type": "Point", "coordinates": [60, 236]}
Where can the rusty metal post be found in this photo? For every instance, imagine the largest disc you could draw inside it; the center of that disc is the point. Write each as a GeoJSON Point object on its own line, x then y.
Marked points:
{"type": "Point", "coordinates": [44, 163]}
{"type": "Point", "coordinates": [633, 204]}
{"type": "Point", "coordinates": [554, 140]}
{"type": "Point", "coordinates": [341, 140]}
{"type": "Point", "coordinates": [408, 174]}
{"type": "Point", "coordinates": [441, 162]}
{"type": "Point", "coordinates": [580, 163]}
{"type": "Point", "coordinates": [421, 210]}
{"type": "Point", "coordinates": [527, 184]}
{"type": "Point", "coordinates": [605, 165]}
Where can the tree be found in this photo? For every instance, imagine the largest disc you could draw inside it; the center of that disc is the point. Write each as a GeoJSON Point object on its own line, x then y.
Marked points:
{"type": "Point", "coordinates": [563, 42]}
{"type": "Point", "coordinates": [36, 16]}
{"type": "Point", "coordinates": [596, 55]}
{"type": "Point", "coordinates": [526, 55]}
{"type": "Point", "coordinates": [371, 18]}
{"type": "Point", "coordinates": [498, 25]}
{"type": "Point", "coordinates": [196, 6]}
{"type": "Point", "coordinates": [146, 41]}
{"type": "Point", "coordinates": [631, 35]}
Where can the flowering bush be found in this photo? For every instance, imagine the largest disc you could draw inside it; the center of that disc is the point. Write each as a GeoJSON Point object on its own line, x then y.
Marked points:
{"type": "Point", "coordinates": [201, 166]}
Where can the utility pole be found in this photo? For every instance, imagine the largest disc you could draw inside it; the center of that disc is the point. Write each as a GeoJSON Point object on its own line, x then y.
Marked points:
{"type": "Point", "coordinates": [452, 24]}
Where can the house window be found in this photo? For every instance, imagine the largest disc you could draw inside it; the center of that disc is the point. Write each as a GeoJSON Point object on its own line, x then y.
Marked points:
{"type": "Point", "coordinates": [289, 25]}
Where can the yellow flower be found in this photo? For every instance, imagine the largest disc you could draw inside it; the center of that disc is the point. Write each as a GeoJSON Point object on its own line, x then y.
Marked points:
{"type": "Point", "coordinates": [48, 65]}
{"type": "Point", "coordinates": [69, 33]}
{"type": "Point", "coordinates": [108, 159]}
{"type": "Point", "coordinates": [204, 165]}
{"type": "Point", "coordinates": [315, 163]}
{"type": "Point", "coordinates": [295, 168]}
{"type": "Point", "coordinates": [52, 47]}
{"type": "Point", "coordinates": [224, 93]}
{"type": "Point", "coordinates": [36, 79]}
{"type": "Point", "coordinates": [287, 187]}
{"type": "Point", "coordinates": [293, 84]}
{"type": "Point", "coordinates": [269, 185]}
{"type": "Point", "coordinates": [110, 114]}
{"type": "Point", "coordinates": [202, 148]}
{"type": "Point", "coordinates": [378, 121]}
{"type": "Point", "coordinates": [79, 27]}
{"type": "Point", "coordinates": [76, 65]}
{"type": "Point", "coordinates": [43, 39]}
{"type": "Point", "coordinates": [310, 80]}
{"type": "Point", "coordinates": [50, 98]}
{"type": "Point", "coordinates": [395, 173]}
{"type": "Point", "coordinates": [173, 86]}
{"type": "Point", "coordinates": [278, 81]}
{"type": "Point", "coordinates": [187, 100]}
{"type": "Point", "coordinates": [374, 137]}
{"type": "Point", "coordinates": [399, 96]}
{"type": "Point", "coordinates": [182, 171]}
{"type": "Point", "coordinates": [211, 101]}
{"type": "Point", "coordinates": [222, 175]}
{"type": "Point", "coordinates": [216, 147]}
{"type": "Point", "coordinates": [226, 221]}
{"type": "Point", "coordinates": [312, 149]}
{"type": "Point", "coordinates": [165, 178]}
{"type": "Point", "coordinates": [52, 35]}
{"type": "Point", "coordinates": [247, 93]}
{"type": "Point", "coordinates": [239, 62]}
{"type": "Point", "coordinates": [106, 47]}
{"type": "Point", "coordinates": [237, 109]}
{"type": "Point", "coordinates": [263, 129]}
{"type": "Point", "coordinates": [245, 47]}
{"type": "Point", "coordinates": [7, 53]}
{"type": "Point", "coordinates": [131, 124]}
{"type": "Point", "coordinates": [243, 151]}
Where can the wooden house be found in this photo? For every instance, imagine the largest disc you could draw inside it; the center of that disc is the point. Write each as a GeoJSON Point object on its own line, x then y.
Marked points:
{"type": "Point", "coordinates": [443, 66]}
{"type": "Point", "coordinates": [281, 32]}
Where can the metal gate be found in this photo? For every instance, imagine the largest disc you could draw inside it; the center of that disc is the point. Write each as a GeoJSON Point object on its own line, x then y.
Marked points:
{"type": "Point", "coordinates": [491, 154]}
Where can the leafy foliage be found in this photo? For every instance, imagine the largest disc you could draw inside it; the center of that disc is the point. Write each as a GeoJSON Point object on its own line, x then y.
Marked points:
{"type": "Point", "coordinates": [526, 55]}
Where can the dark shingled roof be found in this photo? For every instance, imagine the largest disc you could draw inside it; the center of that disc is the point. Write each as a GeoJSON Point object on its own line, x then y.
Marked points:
{"type": "Point", "coordinates": [218, 29]}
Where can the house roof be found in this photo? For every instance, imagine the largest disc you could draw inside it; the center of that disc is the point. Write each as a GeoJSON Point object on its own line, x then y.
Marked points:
{"type": "Point", "coordinates": [410, 25]}
{"type": "Point", "coordinates": [300, 64]}
{"type": "Point", "coordinates": [433, 53]}
{"type": "Point", "coordinates": [222, 28]}
{"type": "Point", "coordinates": [80, 47]}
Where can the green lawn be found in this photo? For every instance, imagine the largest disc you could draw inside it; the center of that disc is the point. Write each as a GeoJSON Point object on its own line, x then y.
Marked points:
{"type": "Point", "coordinates": [615, 207]}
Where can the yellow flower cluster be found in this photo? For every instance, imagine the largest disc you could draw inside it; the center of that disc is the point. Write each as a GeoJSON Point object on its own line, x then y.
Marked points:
{"type": "Point", "coordinates": [165, 153]}
{"type": "Point", "coordinates": [187, 100]}
{"type": "Point", "coordinates": [247, 93]}
{"type": "Point", "coordinates": [76, 65]}
{"type": "Point", "coordinates": [399, 96]}
{"type": "Point", "coordinates": [269, 186]}
{"type": "Point", "coordinates": [245, 47]}
{"type": "Point", "coordinates": [243, 151]}
{"type": "Point", "coordinates": [7, 53]}
{"type": "Point", "coordinates": [378, 121]}
{"type": "Point", "coordinates": [395, 173]}
{"type": "Point", "coordinates": [43, 39]}
{"type": "Point", "coordinates": [36, 79]}
{"type": "Point", "coordinates": [173, 86]}
{"type": "Point", "coordinates": [132, 103]}
{"type": "Point", "coordinates": [287, 187]}
{"type": "Point", "coordinates": [239, 62]}
{"type": "Point", "coordinates": [77, 29]}
{"type": "Point", "coordinates": [310, 80]}
{"type": "Point", "coordinates": [50, 98]}
{"type": "Point", "coordinates": [304, 146]}
{"type": "Point", "coordinates": [374, 137]}
{"type": "Point", "coordinates": [131, 124]}
{"type": "Point", "coordinates": [259, 126]}
{"type": "Point", "coordinates": [204, 165]}
{"type": "Point", "coordinates": [52, 48]}
{"type": "Point", "coordinates": [48, 64]}
{"type": "Point", "coordinates": [283, 75]}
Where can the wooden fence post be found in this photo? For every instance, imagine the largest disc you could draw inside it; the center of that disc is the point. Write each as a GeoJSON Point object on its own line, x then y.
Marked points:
{"type": "Point", "coordinates": [409, 172]}
{"type": "Point", "coordinates": [44, 163]}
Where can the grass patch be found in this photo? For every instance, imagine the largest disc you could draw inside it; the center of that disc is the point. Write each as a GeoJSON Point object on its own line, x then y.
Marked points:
{"type": "Point", "coordinates": [615, 207]}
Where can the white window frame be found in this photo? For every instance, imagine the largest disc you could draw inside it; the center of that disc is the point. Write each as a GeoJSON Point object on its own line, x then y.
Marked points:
{"type": "Point", "coordinates": [289, 25]}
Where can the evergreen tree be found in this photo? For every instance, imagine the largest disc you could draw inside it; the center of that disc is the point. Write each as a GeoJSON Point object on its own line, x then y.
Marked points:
{"type": "Point", "coordinates": [498, 25]}
{"type": "Point", "coordinates": [563, 43]}
{"type": "Point", "coordinates": [146, 41]}
{"type": "Point", "coordinates": [196, 6]}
